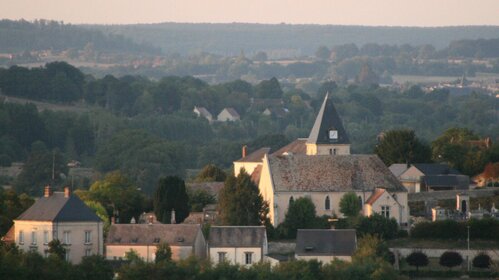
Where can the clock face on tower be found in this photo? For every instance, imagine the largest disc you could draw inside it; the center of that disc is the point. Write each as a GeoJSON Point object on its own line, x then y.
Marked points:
{"type": "Point", "coordinates": [333, 134]}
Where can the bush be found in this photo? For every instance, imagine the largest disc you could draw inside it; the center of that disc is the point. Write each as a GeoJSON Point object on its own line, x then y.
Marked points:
{"type": "Point", "coordinates": [402, 234]}
{"type": "Point", "coordinates": [417, 259]}
{"type": "Point", "coordinates": [450, 259]}
{"type": "Point", "coordinates": [482, 260]}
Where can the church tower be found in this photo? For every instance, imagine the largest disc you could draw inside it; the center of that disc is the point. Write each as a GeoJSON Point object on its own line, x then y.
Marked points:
{"type": "Point", "coordinates": [328, 136]}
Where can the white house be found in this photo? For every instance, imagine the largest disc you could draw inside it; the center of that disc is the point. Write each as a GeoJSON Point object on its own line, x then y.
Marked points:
{"type": "Point", "coordinates": [244, 245]}
{"type": "Point", "coordinates": [203, 112]}
{"type": "Point", "coordinates": [228, 114]}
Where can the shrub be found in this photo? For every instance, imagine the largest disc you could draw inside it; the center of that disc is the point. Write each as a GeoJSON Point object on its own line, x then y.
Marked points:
{"type": "Point", "coordinates": [402, 234]}
{"type": "Point", "coordinates": [450, 259]}
{"type": "Point", "coordinates": [482, 260]}
{"type": "Point", "coordinates": [417, 259]}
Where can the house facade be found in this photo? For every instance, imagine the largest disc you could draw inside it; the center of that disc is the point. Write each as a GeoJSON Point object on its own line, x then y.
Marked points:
{"type": "Point", "coordinates": [184, 240]}
{"type": "Point", "coordinates": [321, 168]}
{"type": "Point", "coordinates": [63, 216]}
{"type": "Point", "coordinates": [228, 114]}
{"type": "Point", "coordinates": [203, 112]}
{"type": "Point", "coordinates": [243, 245]}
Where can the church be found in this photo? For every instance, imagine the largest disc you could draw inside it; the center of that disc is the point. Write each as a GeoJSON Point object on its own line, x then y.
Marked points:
{"type": "Point", "coordinates": [321, 168]}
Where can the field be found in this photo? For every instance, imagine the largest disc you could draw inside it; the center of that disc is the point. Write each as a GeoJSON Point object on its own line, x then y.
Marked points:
{"type": "Point", "coordinates": [402, 79]}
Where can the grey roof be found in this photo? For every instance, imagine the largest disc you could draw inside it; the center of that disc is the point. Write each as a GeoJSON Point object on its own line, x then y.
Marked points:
{"type": "Point", "coordinates": [212, 187]}
{"type": "Point", "coordinates": [398, 168]}
{"type": "Point", "coordinates": [150, 234]}
{"type": "Point", "coordinates": [435, 168]}
{"type": "Point", "coordinates": [329, 173]}
{"type": "Point", "coordinates": [204, 112]}
{"type": "Point", "coordinates": [237, 236]}
{"type": "Point", "coordinates": [58, 208]}
{"type": "Point", "coordinates": [460, 182]}
{"type": "Point", "coordinates": [327, 119]}
{"type": "Point", "coordinates": [326, 242]}
{"type": "Point", "coordinates": [296, 147]}
{"type": "Point", "coordinates": [255, 156]}
{"type": "Point", "coordinates": [232, 112]}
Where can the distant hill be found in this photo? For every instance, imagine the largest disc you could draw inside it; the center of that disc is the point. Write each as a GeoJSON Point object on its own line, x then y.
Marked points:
{"type": "Point", "coordinates": [19, 36]}
{"type": "Point", "coordinates": [285, 39]}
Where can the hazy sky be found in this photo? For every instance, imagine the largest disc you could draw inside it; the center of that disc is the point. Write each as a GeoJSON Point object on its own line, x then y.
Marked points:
{"type": "Point", "coordinates": [344, 12]}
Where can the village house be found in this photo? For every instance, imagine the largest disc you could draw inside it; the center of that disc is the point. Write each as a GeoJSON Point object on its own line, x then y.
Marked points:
{"type": "Point", "coordinates": [63, 216]}
{"type": "Point", "coordinates": [203, 112]}
{"type": "Point", "coordinates": [321, 168]}
{"type": "Point", "coordinates": [244, 245]}
{"type": "Point", "coordinates": [228, 114]}
{"type": "Point", "coordinates": [419, 177]}
{"type": "Point", "coordinates": [184, 240]}
{"type": "Point", "coordinates": [325, 245]}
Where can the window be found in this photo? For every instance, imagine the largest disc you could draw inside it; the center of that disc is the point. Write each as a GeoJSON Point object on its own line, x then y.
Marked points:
{"type": "Point", "coordinates": [33, 238]}
{"type": "Point", "coordinates": [360, 202]}
{"type": "Point", "coordinates": [45, 237]}
{"type": "Point", "coordinates": [88, 237]}
{"type": "Point", "coordinates": [332, 151]}
{"type": "Point", "coordinates": [21, 237]}
{"type": "Point", "coordinates": [385, 211]}
{"type": "Point", "coordinates": [67, 239]}
{"type": "Point", "coordinates": [88, 252]}
{"type": "Point", "coordinates": [248, 257]}
{"type": "Point", "coordinates": [221, 257]}
{"type": "Point", "coordinates": [327, 203]}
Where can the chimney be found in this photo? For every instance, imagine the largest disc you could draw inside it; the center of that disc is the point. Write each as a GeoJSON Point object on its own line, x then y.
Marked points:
{"type": "Point", "coordinates": [66, 192]}
{"type": "Point", "coordinates": [172, 221]}
{"type": "Point", "coordinates": [113, 220]}
{"type": "Point", "coordinates": [48, 191]}
{"type": "Point", "coordinates": [244, 151]}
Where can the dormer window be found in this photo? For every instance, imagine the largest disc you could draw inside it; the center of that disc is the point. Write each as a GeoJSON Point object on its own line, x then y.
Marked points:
{"type": "Point", "coordinates": [333, 134]}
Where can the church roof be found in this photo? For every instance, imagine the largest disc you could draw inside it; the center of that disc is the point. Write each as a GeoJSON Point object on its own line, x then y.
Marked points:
{"type": "Point", "coordinates": [327, 119]}
{"type": "Point", "coordinates": [59, 208]}
{"type": "Point", "coordinates": [296, 147]}
{"type": "Point", "coordinates": [331, 173]}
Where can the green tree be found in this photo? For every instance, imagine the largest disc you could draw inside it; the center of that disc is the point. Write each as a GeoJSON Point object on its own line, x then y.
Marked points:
{"type": "Point", "coordinates": [211, 173]}
{"type": "Point", "coordinates": [301, 215]}
{"type": "Point", "coordinates": [199, 198]}
{"type": "Point", "coordinates": [349, 205]}
{"type": "Point", "coordinates": [482, 260]}
{"type": "Point", "coordinates": [417, 259]}
{"type": "Point", "coordinates": [240, 202]}
{"type": "Point", "coordinates": [171, 195]}
{"type": "Point", "coordinates": [402, 146]}
{"type": "Point", "coordinates": [384, 227]}
{"type": "Point", "coordinates": [269, 89]}
{"type": "Point", "coordinates": [56, 249]}
{"type": "Point", "coordinates": [450, 259]}
{"type": "Point", "coordinates": [95, 267]}
{"type": "Point", "coordinates": [322, 53]}
{"type": "Point", "coordinates": [163, 252]}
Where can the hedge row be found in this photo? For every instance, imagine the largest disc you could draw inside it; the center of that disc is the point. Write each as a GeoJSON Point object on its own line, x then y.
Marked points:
{"type": "Point", "coordinates": [486, 228]}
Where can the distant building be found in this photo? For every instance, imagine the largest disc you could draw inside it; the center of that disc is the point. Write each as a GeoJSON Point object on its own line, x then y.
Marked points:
{"type": "Point", "coordinates": [63, 216]}
{"type": "Point", "coordinates": [243, 245]}
{"type": "Point", "coordinates": [325, 245]}
{"type": "Point", "coordinates": [184, 240]}
{"type": "Point", "coordinates": [203, 112]}
{"type": "Point", "coordinates": [228, 114]}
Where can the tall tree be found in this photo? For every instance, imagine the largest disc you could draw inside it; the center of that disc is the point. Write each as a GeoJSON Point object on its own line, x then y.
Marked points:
{"type": "Point", "coordinates": [301, 215]}
{"type": "Point", "coordinates": [402, 146]}
{"type": "Point", "coordinates": [240, 202]}
{"type": "Point", "coordinates": [171, 195]}
{"type": "Point", "coordinates": [349, 205]}
{"type": "Point", "coordinates": [211, 173]}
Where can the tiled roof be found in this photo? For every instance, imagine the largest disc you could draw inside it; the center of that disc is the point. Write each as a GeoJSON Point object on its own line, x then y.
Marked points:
{"type": "Point", "coordinates": [398, 168]}
{"type": "Point", "coordinates": [233, 112]}
{"type": "Point", "coordinates": [203, 112]}
{"type": "Point", "coordinates": [151, 234]}
{"type": "Point", "coordinates": [58, 208]}
{"type": "Point", "coordinates": [211, 187]}
{"type": "Point", "coordinates": [435, 168]}
{"type": "Point", "coordinates": [457, 181]}
{"type": "Point", "coordinates": [377, 194]}
{"type": "Point", "coordinates": [255, 156]}
{"type": "Point", "coordinates": [297, 147]}
{"type": "Point", "coordinates": [328, 173]}
{"type": "Point", "coordinates": [237, 236]}
{"type": "Point", "coordinates": [327, 119]}
{"type": "Point", "coordinates": [326, 242]}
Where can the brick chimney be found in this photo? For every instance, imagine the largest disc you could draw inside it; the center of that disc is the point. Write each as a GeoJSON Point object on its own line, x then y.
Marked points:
{"type": "Point", "coordinates": [244, 151]}
{"type": "Point", "coordinates": [67, 193]}
{"type": "Point", "coordinates": [48, 191]}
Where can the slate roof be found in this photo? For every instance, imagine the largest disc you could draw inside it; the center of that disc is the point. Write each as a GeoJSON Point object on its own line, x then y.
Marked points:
{"type": "Point", "coordinates": [460, 182]}
{"type": "Point", "coordinates": [204, 112]}
{"type": "Point", "coordinates": [211, 187]}
{"type": "Point", "coordinates": [326, 242]}
{"type": "Point", "coordinates": [255, 156]}
{"type": "Point", "coordinates": [152, 234]}
{"type": "Point", "coordinates": [435, 168]}
{"type": "Point", "coordinates": [58, 208]}
{"type": "Point", "coordinates": [297, 147]}
{"type": "Point", "coordinates": [330, 173]}
{"type": "Point", "coordinates": [327, 119]}
{"type": "Point", "coordinates": [232, 112]}
{"type": "Point", "coordinates": [398, 168]}
{"type": "Point", "coordinates": [237, 236]}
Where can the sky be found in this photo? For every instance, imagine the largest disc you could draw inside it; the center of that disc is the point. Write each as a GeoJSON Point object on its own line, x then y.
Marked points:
{"type": "Point", "coordinates": [338, 12]}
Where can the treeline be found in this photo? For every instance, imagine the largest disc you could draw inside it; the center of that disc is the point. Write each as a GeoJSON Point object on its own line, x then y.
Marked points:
{"type": "Point", "coordinates": [22, 35]}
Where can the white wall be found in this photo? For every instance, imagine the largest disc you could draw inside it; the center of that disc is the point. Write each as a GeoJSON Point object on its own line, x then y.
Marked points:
{"type": "Point", "coordinates": [236, 255]}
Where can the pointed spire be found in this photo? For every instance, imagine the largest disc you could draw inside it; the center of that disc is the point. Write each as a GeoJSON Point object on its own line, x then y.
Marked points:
{"type": "Point", "coordinates": [328, 128]}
